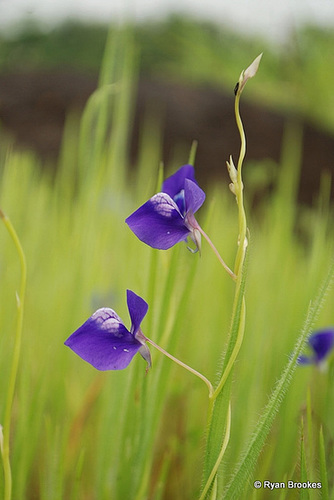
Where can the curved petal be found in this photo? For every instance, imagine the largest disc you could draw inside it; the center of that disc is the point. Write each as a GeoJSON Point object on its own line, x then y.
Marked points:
{"type": "Point", "coordinates": [321, 342]}
{"type": "Point", "coordinates": [175, 183]}
{"type": "Point", "coordinates": [137, 310]}
{"type": "Point", "coordinates": [194, 196]}
{"type": "Point", "coordinates": [158, 222]}
{"type": "Point", "coordinates": [104, 342]}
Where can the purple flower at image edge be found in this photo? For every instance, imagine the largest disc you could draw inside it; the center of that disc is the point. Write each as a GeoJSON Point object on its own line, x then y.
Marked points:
{"type": "Point", "coordinates": [320, 343]}
{"type": "Point", "coordinates": [104, 341]}
{"type": "Point", "coordinates": [168, 217]}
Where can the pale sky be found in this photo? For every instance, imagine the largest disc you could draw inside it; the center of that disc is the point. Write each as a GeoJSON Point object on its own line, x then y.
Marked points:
{"type": "Point", "coordinates": [266, 17]}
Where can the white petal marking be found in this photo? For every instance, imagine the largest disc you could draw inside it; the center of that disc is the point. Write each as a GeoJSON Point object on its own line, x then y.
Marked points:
{"type": "Point", "coordinates": [164, 205]}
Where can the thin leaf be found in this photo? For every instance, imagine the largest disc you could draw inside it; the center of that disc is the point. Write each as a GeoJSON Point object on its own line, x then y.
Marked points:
{"type": "Point", "coordinates": [323, 467]}
{"type": "Point", "coordinates": [304, 494]}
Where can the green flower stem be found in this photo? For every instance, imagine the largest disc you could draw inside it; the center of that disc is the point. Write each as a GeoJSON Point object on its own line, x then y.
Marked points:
{"type": "Point", "coordinates": [217, 419]}
{"type": "Point", "coordinates": [191, 370]}
{"type": "Point", "coordinates": [239, 188]}
{"type": "Point", "coordinates": [225, 266]}
{"type": "Point", "coordinates": [235, 351]}
{"type": "Point", "coordinates": [15, 361]}
{"type": "Point", "coordinates": [240, 259]}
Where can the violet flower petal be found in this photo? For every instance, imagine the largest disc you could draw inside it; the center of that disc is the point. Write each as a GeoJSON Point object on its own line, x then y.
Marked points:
{"type": "Point", "coordinates": [194, 196]}
{"type": "Point", "coordinates": [158, 222]}
{"type": "Point", "coordinates": [137, 310]}
{"type": "Point", "coordinates": [321, 343]}
{"type": "Point", "coordinates": [175, 183]}
{"type": "Point", "coordinates": [104, 342]}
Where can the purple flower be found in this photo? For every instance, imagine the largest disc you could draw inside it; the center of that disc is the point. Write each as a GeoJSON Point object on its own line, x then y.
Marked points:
{"type": "Point", "coordinates": [321, 343]}
{"type": "Point", "coordinates": [104, 341]}
{"type": "Point", "coordinates": [168, 217]}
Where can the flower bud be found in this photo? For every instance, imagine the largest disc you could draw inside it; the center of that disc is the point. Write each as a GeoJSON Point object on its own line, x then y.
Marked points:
{"type": "Point", "coordinates": [232, 170]}
{"type": "Point", "coordinates": [248, 73]}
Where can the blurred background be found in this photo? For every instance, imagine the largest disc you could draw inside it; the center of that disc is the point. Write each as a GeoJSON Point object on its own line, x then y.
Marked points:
{"type": "Point", "coordinates": [67, 185]}
{"type": "Point", "coordinates": [190, 55]}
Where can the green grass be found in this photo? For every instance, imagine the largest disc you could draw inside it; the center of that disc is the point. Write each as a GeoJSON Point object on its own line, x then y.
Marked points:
{"type": "Point", "coordinates": [81, 434]}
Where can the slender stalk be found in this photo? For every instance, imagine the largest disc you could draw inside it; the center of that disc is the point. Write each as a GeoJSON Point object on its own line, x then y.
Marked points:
{"type": "Point", "coordinates": [5, 448]}
{"type": "Point", "coordinates": [235, 351]}
{"type": "Point", "coordinates": [217, 404]}
{"type": "Point", "coordinates": [240, 257]}
{"type": "Point", "coordinates": [239, 192]}
{"type": "Point", "coordinates": [220, 456]}
{"type": "Point", "coordinates": [191, 370]}
{"type": "Point", "coordinates": [225, 266]}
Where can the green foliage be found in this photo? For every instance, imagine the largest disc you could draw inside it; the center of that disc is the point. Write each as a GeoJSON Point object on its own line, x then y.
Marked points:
{"type": "Point", "coordinates": [294, 76]}
{"type": "Point", "coordinates": [81, 434]}
{"type": "Point", "coordinates": [71, 44]}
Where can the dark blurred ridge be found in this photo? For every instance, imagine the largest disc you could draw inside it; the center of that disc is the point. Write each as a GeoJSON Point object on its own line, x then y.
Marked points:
{"type": "Point", "coordinates": [34, 105]}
